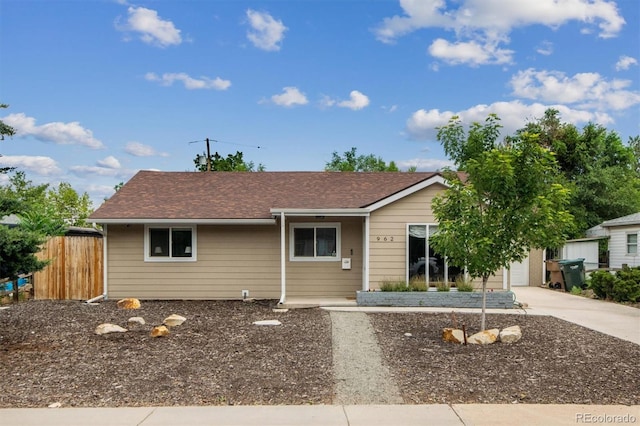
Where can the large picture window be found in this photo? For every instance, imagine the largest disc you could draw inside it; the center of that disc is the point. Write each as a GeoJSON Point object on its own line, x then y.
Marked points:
{"type": "Point", "coordinates": [170, 243]}
{"type": "Point", "coordinates": [314, 241]}
{"type": "Point", "coordinates": [423, 263]}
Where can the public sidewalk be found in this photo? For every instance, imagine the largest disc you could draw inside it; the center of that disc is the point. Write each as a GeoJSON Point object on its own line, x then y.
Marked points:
{"type": "Point", "coordinates": [328, 415]}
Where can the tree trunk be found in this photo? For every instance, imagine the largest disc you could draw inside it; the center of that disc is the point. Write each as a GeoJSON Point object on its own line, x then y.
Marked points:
{"type": "Point", "coordinates": [483, 320]}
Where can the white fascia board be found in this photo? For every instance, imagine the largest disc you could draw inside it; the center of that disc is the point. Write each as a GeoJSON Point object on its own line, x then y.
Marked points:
{"type": "Point", "coordinates": [320, 212]}
{"type": "Point", "coordinates": [406, 192]}
{"type": "Point", "coordinates": [270, 221]}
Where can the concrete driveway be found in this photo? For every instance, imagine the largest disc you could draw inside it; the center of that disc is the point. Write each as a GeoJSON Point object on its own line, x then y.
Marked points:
{"type": "Point", "coordinates": [606, 317]}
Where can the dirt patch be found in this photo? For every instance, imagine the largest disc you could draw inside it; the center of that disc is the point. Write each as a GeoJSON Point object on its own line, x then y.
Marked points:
{"type": "Point", "coordinates": [556, 362]}
{"type": "Point", "coordinates": [49, 353]}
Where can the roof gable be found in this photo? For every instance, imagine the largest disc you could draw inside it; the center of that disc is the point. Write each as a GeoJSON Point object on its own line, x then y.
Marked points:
{"type": "Point", "coordinates": [248, 195]}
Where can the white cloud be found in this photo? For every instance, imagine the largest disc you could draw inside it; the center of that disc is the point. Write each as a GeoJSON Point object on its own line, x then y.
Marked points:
{"type": "Point", "coordinates": [587, 90]}
{"type": "Point", "coordinates": [152, 29]}
{"type": "Point", "coordinates": [291, 96]}
{"type": "Point", "coordinates": [42, 166]}
{"type": "Point", "coordinates": [513, 116]}
{"type": "Point", "coordinates": [481, 25]}
{"type": "Point", "coordinates": [545, 48]}
{"type": "Point", "coordinates": [57, 132]}
{"type": "Point", "coordinates": [357, 100]}
{"type": "Point", "coordinates": [625, 62]}
{"type": "Point", "coordinates": [190, 83]}
{"type": "Point", "coordinates": [109, 162]}
{"type": "Point", "coordinates": [140, 150]}
{"type": "Point", "coordinates": [102, 171]}
{"type": "Point", "coordinates": [425, 164]}
{"type": "Point", "coordinates": [471, 52]}
{"type": "Point", "coordinates": [266, 33]}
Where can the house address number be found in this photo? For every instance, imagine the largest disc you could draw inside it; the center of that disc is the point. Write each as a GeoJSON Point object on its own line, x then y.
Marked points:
{"type": "Point", "coordinates": [384, 239]}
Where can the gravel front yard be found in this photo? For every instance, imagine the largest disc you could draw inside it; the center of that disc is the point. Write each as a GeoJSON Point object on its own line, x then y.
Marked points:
{"type": "Point", "coordinates": [49, 353]}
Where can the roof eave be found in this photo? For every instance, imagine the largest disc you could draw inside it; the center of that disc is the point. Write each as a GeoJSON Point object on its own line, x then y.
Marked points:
{"type": "Point", "coordinates": [320, 212]}
{"type": "Point", "coordinates": [124, 221]}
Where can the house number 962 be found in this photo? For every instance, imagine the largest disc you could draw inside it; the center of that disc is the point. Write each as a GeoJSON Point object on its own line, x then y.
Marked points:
{"type": "Point", "coordinates": [384, 239]}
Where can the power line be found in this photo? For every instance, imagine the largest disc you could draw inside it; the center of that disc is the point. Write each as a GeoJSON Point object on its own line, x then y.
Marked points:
{"type": "Point", "coordinates": [228, 143]}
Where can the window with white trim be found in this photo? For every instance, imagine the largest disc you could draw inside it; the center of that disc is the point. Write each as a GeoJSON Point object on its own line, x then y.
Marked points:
{"type": "Point", "coordinates": [632, 244]}
{"type": "Point", "coordinates": [174, 243]}
{"type": "Point", "coordinates": [311, 241]}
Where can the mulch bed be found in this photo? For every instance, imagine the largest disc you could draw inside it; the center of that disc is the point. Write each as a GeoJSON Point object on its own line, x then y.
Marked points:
{"type": "Point", "coordinates": [556, 362]}
{"type": "Point", "coordinates": [49, 353]}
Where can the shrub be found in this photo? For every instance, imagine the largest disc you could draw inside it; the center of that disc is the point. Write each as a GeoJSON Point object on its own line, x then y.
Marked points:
{"type": "Point", "coordinates": [394, 285]}
{"type": "Point", "coordinates": [463, 284]}
{"type": "Point", "coordinates": [576, 290]}
{"type": "Point", "coordinates": [624, 286]}
{"type": "Point", "coordinates": [601, 282]}
{"type": "Point", "coordinates": [418, 284]}
{"type": "Point", "coordinates": [442, 286]}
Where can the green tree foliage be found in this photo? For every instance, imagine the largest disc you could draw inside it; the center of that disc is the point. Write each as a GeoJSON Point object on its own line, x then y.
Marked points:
{"type": "Point", "coordinates": [352, 162]}
{"type": "Point", "coordinates": [18, 246]}
{"type": "Point", "coordinates": [230, 163]}
{"type": "Point", "coordinates": [5, 130]}
{"type": "Point", "coordinates": [54, 208]}
{"type": "Point", "coordinates": [508, 202]}
{"type": "Point", "coordinates": [602, 172]}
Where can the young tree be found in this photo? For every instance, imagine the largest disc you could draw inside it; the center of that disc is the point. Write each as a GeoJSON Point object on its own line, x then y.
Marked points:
{"type": "Point", "coordinates": [352, 162]}
{"type": "Point", "coordinates": [508, 201]}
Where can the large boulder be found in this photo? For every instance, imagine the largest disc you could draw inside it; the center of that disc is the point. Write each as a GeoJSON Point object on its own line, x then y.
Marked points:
{"type": "Point", "coordinates": [159, 331]}
{"type": "Point", "coordinates": [484, 337]}
{"type": "Point", "coordinates": [107, 328]}
{"type": "Point", "coordinates": [128, 303]}
{"type": "Point", "coordinates": [453, 335]}
{"type": "Point", "coordinates": [511, 334]}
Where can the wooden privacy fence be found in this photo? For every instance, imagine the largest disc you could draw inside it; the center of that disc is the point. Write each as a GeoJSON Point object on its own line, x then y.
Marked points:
{"type": "Point", "coordinates": [74, 271]}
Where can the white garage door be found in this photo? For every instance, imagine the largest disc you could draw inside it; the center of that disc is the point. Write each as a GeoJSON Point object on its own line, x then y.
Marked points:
{"type": "Point", "coordinates": [520, 273]}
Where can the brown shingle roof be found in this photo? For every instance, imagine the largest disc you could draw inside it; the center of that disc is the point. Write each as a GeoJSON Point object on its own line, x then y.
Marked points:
{"type": "Point", "coordinates": [247, 195]}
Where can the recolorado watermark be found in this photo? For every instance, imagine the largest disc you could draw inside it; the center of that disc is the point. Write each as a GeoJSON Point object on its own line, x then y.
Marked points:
{"type": "Point", "coordinates": [606, 418]}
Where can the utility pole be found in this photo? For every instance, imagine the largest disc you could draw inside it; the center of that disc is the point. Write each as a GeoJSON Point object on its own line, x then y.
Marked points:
{"type": "Point", "coordinates": [208, 156]}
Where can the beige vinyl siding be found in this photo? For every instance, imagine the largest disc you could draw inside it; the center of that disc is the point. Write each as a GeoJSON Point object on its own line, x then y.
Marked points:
{"type": "Point", "coordinates": [229, 259]}
{"type": "Point", "coordinates": [388, 237]}
{"type": "Point", "coordinates": [327, 278]}
{"type": "Point", "coordinates": [388, 234]}
{"type": "Point", "coordinates": [535, 267]}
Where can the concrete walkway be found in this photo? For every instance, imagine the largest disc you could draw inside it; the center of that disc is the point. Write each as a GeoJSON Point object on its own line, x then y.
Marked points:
{"type": "Point", "coordinates": [328, 415]}
{"type": "Point", "coordinates": [619, 321]}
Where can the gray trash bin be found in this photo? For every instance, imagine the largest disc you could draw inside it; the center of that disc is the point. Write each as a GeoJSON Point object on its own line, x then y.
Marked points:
{"type": "Point", "coordinates": [573, 273]}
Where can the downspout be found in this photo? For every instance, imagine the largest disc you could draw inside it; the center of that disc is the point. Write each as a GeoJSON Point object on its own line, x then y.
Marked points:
{"type": "Point", "coordinates": [104, 268]}
{"type": "Point", "coordinates": [283, 265]}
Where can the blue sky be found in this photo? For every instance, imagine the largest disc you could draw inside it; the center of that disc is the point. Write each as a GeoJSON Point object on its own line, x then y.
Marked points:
{"type": "Point", "coordinates": [98, 90]}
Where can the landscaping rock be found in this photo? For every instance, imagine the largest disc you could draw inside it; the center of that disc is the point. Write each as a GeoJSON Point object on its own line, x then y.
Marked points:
{"type": "Point", "coordinates": [267, 322]}
{"type": "Point", "coordinates": [511, 334]}
{"type": "Point", "coordinates": [453, 335]}
{"type": "Point", "coordinates": [174, 320]}
{"type": "Point", "coordinates": [159, 331]}
{"type": "Point", "coordinates": [137, 320]}
{"type": "Point", "coordinates": [485, 337]}
{"type": "Point", "coordinates": [128, 303]}
{"type": "Point", "coordinates": [107, 328]}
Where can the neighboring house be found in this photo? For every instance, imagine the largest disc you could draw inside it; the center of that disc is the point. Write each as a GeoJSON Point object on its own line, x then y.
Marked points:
{"type": "Point", "coordinates": [226, 235]}
{"type": "Point", "coordinates": [623, 240]}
